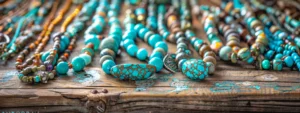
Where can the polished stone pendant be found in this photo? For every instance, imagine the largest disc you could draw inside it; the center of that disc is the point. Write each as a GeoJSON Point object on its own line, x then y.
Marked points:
{"type": "Point", "coordinates": [132, 71]}
{"type": "Point", "coordinates": [170, 64]}
{"type": "Point", "coordinates": [195, 69]}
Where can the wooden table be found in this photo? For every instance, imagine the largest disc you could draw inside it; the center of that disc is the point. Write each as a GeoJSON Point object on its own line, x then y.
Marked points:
{"type": "Point", "coordinates": [233, 88]}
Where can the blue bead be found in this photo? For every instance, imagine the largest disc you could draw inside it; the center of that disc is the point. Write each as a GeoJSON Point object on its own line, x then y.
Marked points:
{"type": "Point", "coordinates": [45, 55]}
{"type": "Point", "coordinates": [107, 65]}
{"type": "Point", "coordinates": [195, 69]}
{"type": "Point", "coordinates": [132, 50]}
{"type": "Point", "coordinates": [62, 46]}
{"type": "Point", "coordinates": [78, 63]}
{"type": "Point", "coordinates": [142, 54]}
{"type": "Point", "coordinates": [37, 79]}
{"type": "Point", "coordinates": [132, 71]}
{"type": "Point", "coordinates": [62, 68]}
{"type": "Point", "coordinates": [288, 61]}
{"type": "Point", "coordinates": [157, 62]}
{"type": "Point", "coordinates": [157, 55]}
{"type": "Point", "coordinates": [87, 58]}
{"type": "Point", "coordinates": [142, 32]}
{"type": "Point", "coordinates": [138, 27]}
{"type": "Point", "coordinates": [165, 35]}
{"type": "Point", "coordinates": [65, 39]}
{"type": "Point", "coordinates": [127, 42]}
{"type": "Point", "coordinates": [154, 39]}
{"type": "Point", "coordinates": [129, 35]}
{"type": "Point", "coordinates": [92, 39]}
{"type": "Point", "coordinates": [250, 60]}
{"type": "Point", "coordinates": [278, 56]}
{"type": "Point", "coordinates": [223, 53]}
{"type": "Point", "coordinates": [163, 45]}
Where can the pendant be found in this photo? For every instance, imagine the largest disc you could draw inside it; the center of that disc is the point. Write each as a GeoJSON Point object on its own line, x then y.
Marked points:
{"type": "Point", "coordinates": [132, 71]}
{"type": "Point", "coordinates": [170, 64]}
{"type": "Point", "coordinates": [195, 69]}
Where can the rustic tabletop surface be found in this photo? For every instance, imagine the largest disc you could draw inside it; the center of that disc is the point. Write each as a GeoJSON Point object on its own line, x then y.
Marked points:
{"type": "Point", "coordinates": [233, 88]}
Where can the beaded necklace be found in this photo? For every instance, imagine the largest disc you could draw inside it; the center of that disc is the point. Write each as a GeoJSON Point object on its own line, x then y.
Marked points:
{"type": "Point", "coordinates": [42, 72]}
{"type": "Point", "coordinates": [92, 38]}
{"type": "Point", "coordinates": [28, 34]}
{"type": "Point", "coordinates": [195, 69]}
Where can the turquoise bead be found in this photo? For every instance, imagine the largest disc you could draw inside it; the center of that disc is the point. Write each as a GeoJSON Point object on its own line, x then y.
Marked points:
{"type": "Point", "coordinates": [277, 64]}
{"type": "Point", "coordinates": [107, 65]}
{"type": "Point", "coordinates": [87, 58]}
{"type": "Point", "coordinates": [37, 79]}
{"type": "Point", "coordinates": [20, 75]}
{"type": "Point", "coordinates": [92, 39]}
{"type": "Point", "coordinates": [278, 56]}
{"type": "Point", "coordinates": [157, 55]}
{"type": "Point", "coordinates": [65, 39]}
{"type": "Point", "coordinates": [224, 53]}
{"type": "Point", "coordinates": [269, 55]}
{"type": "Point", "coordinates": [195, 69]}
{"type": "Point", "coordinates": [250, 60]}
{"type": "Point", "coordinates": [132, 50]}
{"type": "Point", "coordinates": [129, 35]}
{"type": "Point", "coordinates": [266, 64]}
{"type": "Point", "coordinates": [44, 56]}
{"type": "Point", "coordinates": [157, 62]}
{"type": "Point", "coordinates": [62, 68]}
{"type": "Point", "coordinates": [127, 42]}
{"type": "Point", "coordinates": [109, 43]}
{"type": "Point", "coordinates": [142, 54]}
{"type": "Point", "coordinates": [138, 27]}
{"type": "Point", "coordinates": [154, 39]}
{"type": "Point", "coordinates": [244, 54]}
{"type": "Point", "coordinates": [288, 61]}
{"type": "Point", "coordinates": [132, 71]}
{"type": "Point", "coordinates": [62, 46]}
{"type": "Point", "coordinates": [163, 45]}
{"type": "Point", "coordinates": [142, 32]}
{"type": "Point", "coordinates": [78, 63]}
{"type": "Point", "coordinates": [165, 35]}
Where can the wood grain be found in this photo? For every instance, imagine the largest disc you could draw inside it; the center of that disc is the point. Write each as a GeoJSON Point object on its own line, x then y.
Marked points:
{"type": "Point", "coordinates": [233, 88]}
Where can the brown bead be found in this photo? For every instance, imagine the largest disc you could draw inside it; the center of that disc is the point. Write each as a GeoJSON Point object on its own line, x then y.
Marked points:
{"type": "Point", "coordinates": [204, 48]}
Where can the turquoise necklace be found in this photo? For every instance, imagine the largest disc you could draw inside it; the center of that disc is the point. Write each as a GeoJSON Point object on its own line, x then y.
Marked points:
{"type": "Point", "coordinates": [137, 71]}
{"type": "Point", "coordinates": [92, 39]}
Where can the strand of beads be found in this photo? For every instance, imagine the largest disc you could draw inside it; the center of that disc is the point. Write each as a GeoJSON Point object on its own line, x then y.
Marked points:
{"type": "Point", "coordinates": [151, 19]}
{"type": "Point", "coordinates": [41, 73]}
{"type": "Point", "coordinates": [92, 38]}
{"type": "Point", "coordinates": [205, 52]}
{"type": "Point", "coordinates": [30, 33]}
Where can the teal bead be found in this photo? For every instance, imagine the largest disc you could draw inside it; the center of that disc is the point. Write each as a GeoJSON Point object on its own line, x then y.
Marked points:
{"type": "Point", "coordinates": [132, 50]}
{"type": "Point", "coordinates": [266, 64]}
{"type": "Point", "coordinates": [163, 45]}
{"type": "Point", "coordinates": [62, 46]}
{"type": "Point", "coordinates": [154, 39]}
{"type": "Point", "coordinates": [142, 32]}
{"type": "Point", "coordinates": [92, 39]}
{"type": "Point", "coordinates": [65, 39]}
{"type": "Point", "coordinates": [129, 35]}
{"type": "Point", "coordinates": [165, 35]}
{"type": "Point", "coordinates": [62, 68]}
{"type": "Point", "coordinates": [109, 43]}
{"type": "Point", "coordinates": [269, 55]}
{"type": "Point", "coordinates": [278, 56]}
{"type": "Point", "coordinates": [78, 63]}
{"type": "Point", "coordinates": [107, 65]}
{"type": "Point", "coordinates": [37, 79]}
{"type": "Point", "coordinates": [195, 69]}
{"type": "Point", "coordinates": [45, 55]}
{"type": "Point", "coordinates": [277, 64]}
{"type": "Point", "coordinates": [288, 61]}
{"type": "Point", "coordinates": [138, 27]}
{"type": "Point", "coordinates": [87, 58]}
{"type": "Point", "coordinates": [157, 62]}
{"type": "Point", "coordinates": [224, 53]}
{"type": "Point", "coordinates": [157, 55]}
{"type": "Point", "coordinates": [132, 71]}
{"type": "Point", "coordinates": [20, 75]}
{"type": "Point", "coordinates": [244, 54]}
{"type": "Point", "coordinates": [250, 60]}
{"type": "Point", "coordinates": [127, 42]}
{"type": "Point", "coordinates": [142, 54]}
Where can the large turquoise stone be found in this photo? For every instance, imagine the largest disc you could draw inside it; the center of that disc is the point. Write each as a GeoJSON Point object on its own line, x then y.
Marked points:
{"type": "Point", "coordinates": [195, 69]}
{"type": "Point", "coordinates": [132, 71]}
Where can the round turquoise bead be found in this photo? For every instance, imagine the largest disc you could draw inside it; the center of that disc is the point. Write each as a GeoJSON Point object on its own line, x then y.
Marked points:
{"type": "Point", "coordinates": [165, 35]}
{"type": "Point", "coordinates": [20, 75]}
{"type": "Point", "coordinates": [92, 39]}
{"type": "Point", "coordinates": [250, 60]}
{"type": "Point", "coordinates": [132, 50]}
{"type": "Point", "coordinates": [78, 63]}
{"type": "Point", "coordinates": [62, 46]}
{"type": "Point", "coordinates": [65, 39]}
{"type": "Point", "coordinates": [142, 54]}
{"type": "Point", "coordinates": [142, 32]}
{"type": "Point", "coordinates": [37, 79]}
{"type": "Point", "coordinates": [154, 39]}
{"type": "Point", "coordinates": [62, 68]}
{"type": "Point", "coordinates": [157, 55]}
{"type": "Point", "coordinates": [107, 65]}
{"type": "Point", "coordinates": [277, 64]}
{"type": "Point", "coordinates": [157, 62]}
{"type": "Point", "coordinates": [44, 56]}
{"type": "Point", "coordinates": [87, 58]}
{"type": "Point", "coordinates": [288, 61]}
{"type": "Point", "coordinates": [129, 35]}
{"type": "Point", "coordinates": [162, 44]}
{"type": "Point", "coordinates": [224, 53]}
{"type": "Point", "coordinates": [278, 56]}
{"type": "Point", "coordinates": [127, 42]}
{"type": "Point", "coordinates": [138, 27]}
{"type": "Point", "coordinates": [109, 43]}
{"type": "Point", "coordinates": [265, 64]}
